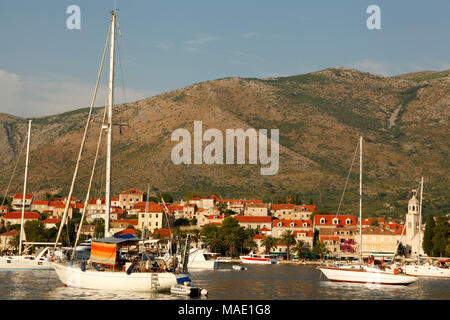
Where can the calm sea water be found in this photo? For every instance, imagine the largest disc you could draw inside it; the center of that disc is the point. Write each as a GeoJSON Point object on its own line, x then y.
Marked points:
{"type": "Point", "coordinates": [272, 282]}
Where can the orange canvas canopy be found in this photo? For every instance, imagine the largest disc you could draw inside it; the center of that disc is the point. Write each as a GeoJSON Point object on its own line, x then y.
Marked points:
{"type": "Point", "coordinates": [103, 253]}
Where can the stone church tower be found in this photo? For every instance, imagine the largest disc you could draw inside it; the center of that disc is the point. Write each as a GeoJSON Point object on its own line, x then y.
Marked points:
{"type": "Point", "coordinates": [414, 235]}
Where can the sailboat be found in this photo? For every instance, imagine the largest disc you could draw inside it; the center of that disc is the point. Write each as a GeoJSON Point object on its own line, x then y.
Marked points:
{"type": "Point", "coordinates": [425, 270]}
{"type": "Point", "coordinates": [362, 273]}
{"type": "Point", "coordinates": [26, 262]}
{"type": "Point", "coordinates": [116, 262]}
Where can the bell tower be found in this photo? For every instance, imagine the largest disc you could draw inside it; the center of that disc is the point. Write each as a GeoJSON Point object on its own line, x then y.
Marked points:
{"type": "Point", "coordinates": [412, 221]}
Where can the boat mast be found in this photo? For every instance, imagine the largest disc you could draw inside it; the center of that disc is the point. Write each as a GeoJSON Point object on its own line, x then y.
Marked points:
{"type": "Point", "coordinates": [24, 189]}
{"type": "Point", "coordinates": [109, 125]}
{"type": "Point", "coordinates": [420, 218]}
{"type": "Point", "coordinates": [360, 199]}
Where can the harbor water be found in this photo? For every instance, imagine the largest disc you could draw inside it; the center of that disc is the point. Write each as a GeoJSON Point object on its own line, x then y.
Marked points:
{"type": "Point", "coordinates": [271, 282]}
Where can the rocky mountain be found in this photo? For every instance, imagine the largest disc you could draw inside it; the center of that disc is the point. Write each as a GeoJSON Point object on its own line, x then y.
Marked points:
{"type": "Point", "coordinates": [320, 115]}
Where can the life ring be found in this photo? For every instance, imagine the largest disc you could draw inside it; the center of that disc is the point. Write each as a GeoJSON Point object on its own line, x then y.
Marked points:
{"type": "Point", "coordinates": [398, 270]}
{"type": "Point", "coordinates": [53, 258]}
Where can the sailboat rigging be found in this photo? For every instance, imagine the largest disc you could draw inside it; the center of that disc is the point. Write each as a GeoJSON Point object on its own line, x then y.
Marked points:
{"type": "Point", "coordinates": [26, 262]}
{"type": "Point", "coordinates": [363, 273]}
{"type": "Point", "coordinates": [116, 261]}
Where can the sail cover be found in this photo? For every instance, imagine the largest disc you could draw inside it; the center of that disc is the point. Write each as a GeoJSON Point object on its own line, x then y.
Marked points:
{"type": "Point", "coordinates": [103, 253]}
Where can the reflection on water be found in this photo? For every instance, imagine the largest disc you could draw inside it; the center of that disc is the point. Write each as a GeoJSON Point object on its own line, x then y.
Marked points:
{"type": "Point", "coordinates": [287, 282]}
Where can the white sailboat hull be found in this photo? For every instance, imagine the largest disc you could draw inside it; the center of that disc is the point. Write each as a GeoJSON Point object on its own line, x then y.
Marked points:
{"type": "Point", "coordinates": [426, 271]}
{"type": "Point", "coordinates": [73, 276]}
{"type": "Point", "coordinates": [364, 276]}
{"type": "Point", "coordinates": [24, 263]}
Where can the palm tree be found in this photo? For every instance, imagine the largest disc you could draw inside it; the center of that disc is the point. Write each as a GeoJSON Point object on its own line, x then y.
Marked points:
{"type": "Point", "coordinates": [195, 237]}
{"type": "Point", "coordinates": [288, 239]}
{"type": "Point", "coordinates": [250, 244]}
{"type": "Point", "coordinates": [299, 247]}
{"type": "Point", "coordinates": [269, 243]}
{"type": "Point", "coordinates": [321, 249]}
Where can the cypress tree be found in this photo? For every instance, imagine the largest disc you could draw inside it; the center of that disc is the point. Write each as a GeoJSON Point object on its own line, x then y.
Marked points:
{"type": "Point", "coordinates": [440, 237]}
{"type": "Point", "coordinates": [427, 244]}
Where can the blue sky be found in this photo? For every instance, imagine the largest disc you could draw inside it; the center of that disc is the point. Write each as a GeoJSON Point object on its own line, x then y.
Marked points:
{"type": "Point", "coordinates": [46, 68]}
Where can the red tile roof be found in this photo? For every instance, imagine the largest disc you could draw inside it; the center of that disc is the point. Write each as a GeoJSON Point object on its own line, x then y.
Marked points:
{"type": "Point", "coordinates": [329, 220]}
{"type": "Point", "coordinates": [152, 206]}
{"type": "Point", "coordinates": [253, 219]}
{"type": "Point", "coordinates": [334, 238]}
{"type": "Point", "coordinates": [265, 229]}
{"type": "Point", "coordinates": [41, 202]}
{"type": "Point", "coordinates": [10, 233]}
{"type": "Point", "coordinates": [55, 203]}
{"type": "Point", "coordinates": [131, 191]}
{"type": "Point", "coordinates": [94, 201]}
{"type": "Point", "coordinates": [51, 220]}
{"type": "Point", "coordinates": [259, 236]}
{"type": "Point", "coordinates": [18, 215]}
{"type": "Point", "coordinates": [287, 223]}
{"type": "Point", "coordinates": [303, 233]}
{"type": "Point", "coordinates": [283, 206]}
{"type": "Point", "coordinates": [125, 231]}
{"type": "Point", "coordinates": [133, 222]}
{"type": "Point", "coordinates": [310, 208]}
{"type": "Point", "coordinates": [20, 196]}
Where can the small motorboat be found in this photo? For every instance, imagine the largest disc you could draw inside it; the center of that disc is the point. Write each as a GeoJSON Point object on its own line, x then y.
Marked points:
{"type": "Point", "coordinates": [188, 289]}
{"type": "Point", "coordinates": [259, 258]}
{"type": "Point", "coordinates": [238, 267]}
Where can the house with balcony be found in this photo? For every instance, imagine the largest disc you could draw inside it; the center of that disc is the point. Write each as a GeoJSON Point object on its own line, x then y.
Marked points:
{"type": "Point", "coordinates": [17, 201]}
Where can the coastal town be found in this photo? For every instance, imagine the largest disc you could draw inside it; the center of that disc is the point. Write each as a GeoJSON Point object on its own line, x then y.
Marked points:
{"type": "Point", "coordinates": [286, 230]}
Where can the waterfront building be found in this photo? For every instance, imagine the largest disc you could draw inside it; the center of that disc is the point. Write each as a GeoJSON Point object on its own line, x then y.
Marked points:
{"type": "Point", "coordinates": [258, 238]}
{"type": "Point", "coordinates": [279, 226]}
{"type": "Point", "coordinates": [17, 201]}
{"type": "Point", "coordinates": [379, 242]}
{"type": "Point", "coordinates": [307, 236]}
{"type": "Point", "coordinates": [341, 240]}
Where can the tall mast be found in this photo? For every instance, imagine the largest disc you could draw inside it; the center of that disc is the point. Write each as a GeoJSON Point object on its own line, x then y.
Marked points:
{"type": "Point", "coordinates": [360, 199]}
{"type": "Point", "coordinates": [24, 189]}
{"type": "Point", "coordinates": [109, 125]}
{"type": "Point", "coordinates": [420, 218]}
